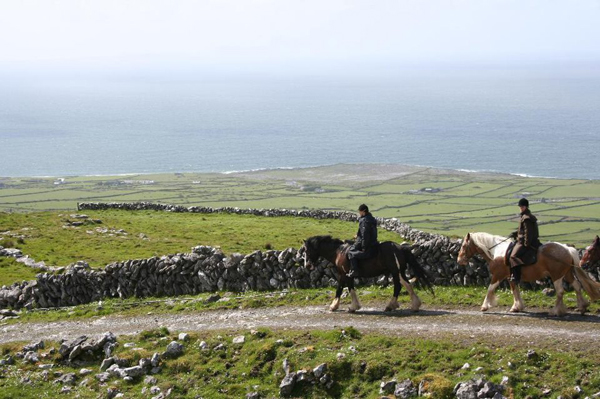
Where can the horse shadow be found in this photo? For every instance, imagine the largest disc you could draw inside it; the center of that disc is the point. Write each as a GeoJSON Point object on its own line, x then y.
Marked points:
{"type": "Point", "coordinates": [541, 315]}
{"type": "Point", "coordinates": [403, 313]}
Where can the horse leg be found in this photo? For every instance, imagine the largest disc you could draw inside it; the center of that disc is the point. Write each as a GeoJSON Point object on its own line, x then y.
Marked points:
{"type": "Point", "coordinates": [415, 302]}
{"type": "Point", "coordinates": [499, 272]}
{"type": "Point", "coordinates": [355, 303]}
{"type": "Point", "coordinates": [559, 308]}
{"type": "Point", "coordinates": [582, 304]}
{"type": "Point", "coordinates": [338, 293]}
{"type": "Point", "coordinates": [518, 305]}
{"type": "Point", "coordinates": [490, 299]}
{"type": "Point", "coordinates": [394, 301]}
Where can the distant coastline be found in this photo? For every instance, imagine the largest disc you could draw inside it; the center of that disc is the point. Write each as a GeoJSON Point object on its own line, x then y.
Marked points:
{"type": "Point", "coordinates": [301, 168]}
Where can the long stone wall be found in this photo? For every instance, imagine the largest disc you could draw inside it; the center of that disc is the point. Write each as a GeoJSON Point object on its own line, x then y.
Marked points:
{"type": "Point", "coordinates": [437, 253]}
{"type": "Point", "coordinates": [207, 269]}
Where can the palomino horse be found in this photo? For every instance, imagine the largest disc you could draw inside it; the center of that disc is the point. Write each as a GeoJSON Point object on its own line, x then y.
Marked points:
{"type": "Point", "coordinates": [592, 253]}
{"type": "Point", "coordinates": [391, 259]}
{"type": "Point", "coordinates": [554, 260]}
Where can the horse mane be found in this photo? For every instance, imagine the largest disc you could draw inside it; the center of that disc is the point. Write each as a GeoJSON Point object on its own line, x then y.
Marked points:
{"type": "Point", "coordinates": [316, 242]}
{"type": "Point", "coordinates": [485, 241]}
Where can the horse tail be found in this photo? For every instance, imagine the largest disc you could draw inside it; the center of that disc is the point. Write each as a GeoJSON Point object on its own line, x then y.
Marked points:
{"type": "Point", "coordinates": [573, 252]}
{"type": "Point", "coordinates": [423, 278]}
{"type": "Point", "coordinates": [590, 286]}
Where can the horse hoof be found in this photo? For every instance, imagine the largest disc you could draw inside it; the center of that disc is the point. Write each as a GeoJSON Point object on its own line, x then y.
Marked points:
{"type": "Point", "coordinates": [351, 310]}
{"type": "Point", "coordinates": [388, 309]}
{"type": "Point", "coordinates": [514, 310]}
{"type": "Point", "coordinates": [484, 308]}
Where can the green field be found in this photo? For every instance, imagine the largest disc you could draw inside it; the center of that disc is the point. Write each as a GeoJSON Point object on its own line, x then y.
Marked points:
{"type": "Point", "coordinates": [124, 235]}
{"type": "Point", "coordinates": [37, 213]}
{"type": "Point", "coordinates": [443, 201]}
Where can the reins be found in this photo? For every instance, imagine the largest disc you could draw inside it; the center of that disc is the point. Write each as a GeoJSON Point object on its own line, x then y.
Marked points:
{"type": "Point", "coordinates": [494, 246]}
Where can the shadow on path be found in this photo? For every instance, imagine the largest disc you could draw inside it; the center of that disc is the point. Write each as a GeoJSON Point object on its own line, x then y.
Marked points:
{"type": "Point", "coordinates": [569, 317]}
{"type": "Point", "coordinates": [402, 313]}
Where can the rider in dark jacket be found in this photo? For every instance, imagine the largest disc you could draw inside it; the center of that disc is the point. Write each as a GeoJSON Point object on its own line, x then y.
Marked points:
{"type": "Point", "coordinates": [365, 245]}
{"type": "Point", "coordinates": [527, 236]}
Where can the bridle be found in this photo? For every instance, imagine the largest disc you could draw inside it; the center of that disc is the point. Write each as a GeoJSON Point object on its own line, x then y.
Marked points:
{"type": "Point", "coordinates": [308, 263]}
{"type": "Point", "coordinates": [469, 252]}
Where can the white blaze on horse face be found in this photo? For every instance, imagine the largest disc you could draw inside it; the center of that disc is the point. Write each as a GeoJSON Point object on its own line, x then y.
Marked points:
{"type": "Point", "coordinates": [462, 258]}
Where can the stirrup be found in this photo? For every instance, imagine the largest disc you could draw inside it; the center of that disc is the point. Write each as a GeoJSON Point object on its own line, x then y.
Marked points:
{"type": "Point", "coordinates": [352, 274]}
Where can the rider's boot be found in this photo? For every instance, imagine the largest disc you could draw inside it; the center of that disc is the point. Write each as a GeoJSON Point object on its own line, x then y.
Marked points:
{"type": "Point", "coordinates": [515, 274]}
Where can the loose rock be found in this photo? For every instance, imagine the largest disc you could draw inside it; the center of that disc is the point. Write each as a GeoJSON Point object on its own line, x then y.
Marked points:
{"type": "Point", "coordinates": [405, 390]}
{"type": "Point", "coordinates": [287, 384]}
{"type": "Point", "coordinates": [174, 349]}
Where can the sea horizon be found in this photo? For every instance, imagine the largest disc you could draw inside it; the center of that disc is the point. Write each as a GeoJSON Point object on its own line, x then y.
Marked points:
{"type": "Point", "coordinates": [524, 123]}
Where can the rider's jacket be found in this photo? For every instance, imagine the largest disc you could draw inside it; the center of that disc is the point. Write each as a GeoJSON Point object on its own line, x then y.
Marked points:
{"type": "Point", "coordinates": [366, 237]}
{"type": "Point", "coordinates": [528, 234]}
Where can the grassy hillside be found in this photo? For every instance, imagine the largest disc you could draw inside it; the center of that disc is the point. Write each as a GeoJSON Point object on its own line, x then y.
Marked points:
{"type": "Point", "coordinates": [46, 236]}
{"type": "Point", "coordinates": [356, 363]}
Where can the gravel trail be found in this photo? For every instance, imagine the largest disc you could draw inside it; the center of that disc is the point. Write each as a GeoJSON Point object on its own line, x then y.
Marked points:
{"type": "Point", "coordinates": [535, 327]}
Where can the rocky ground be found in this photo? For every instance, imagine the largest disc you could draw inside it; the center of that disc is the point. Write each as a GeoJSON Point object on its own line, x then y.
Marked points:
{"type": "Point", "coordinates": [535, 328]}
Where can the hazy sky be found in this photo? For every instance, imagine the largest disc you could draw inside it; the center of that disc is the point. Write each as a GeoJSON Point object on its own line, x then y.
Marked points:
{"type": "Point", "coordinates": [279, 34]}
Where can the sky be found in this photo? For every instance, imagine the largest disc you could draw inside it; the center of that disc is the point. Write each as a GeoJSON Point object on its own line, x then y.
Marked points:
{"type": "Point", "coordinates": [271, 35]}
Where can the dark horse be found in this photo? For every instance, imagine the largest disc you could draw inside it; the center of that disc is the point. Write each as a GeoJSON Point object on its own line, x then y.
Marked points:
{"type": "Point", "coordinates": [391, 259]}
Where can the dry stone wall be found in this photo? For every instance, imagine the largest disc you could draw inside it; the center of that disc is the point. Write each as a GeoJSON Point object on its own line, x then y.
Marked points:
{"type": "Point", "coordinates": [207, 269]}
{"type": "Point", "coordinates": [437, 253]}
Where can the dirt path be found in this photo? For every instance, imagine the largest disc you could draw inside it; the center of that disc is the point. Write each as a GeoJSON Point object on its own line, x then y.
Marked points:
{"type": "Point", "coordinates": [536, 327]}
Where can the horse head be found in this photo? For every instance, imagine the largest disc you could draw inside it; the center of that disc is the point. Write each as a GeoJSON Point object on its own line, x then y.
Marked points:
{"type": "Point", "coordinates": [310, 248]}
{"type": "Point", "coordinates": [592, 253]}
{"type": "Point", "coordinates": [467, 250]}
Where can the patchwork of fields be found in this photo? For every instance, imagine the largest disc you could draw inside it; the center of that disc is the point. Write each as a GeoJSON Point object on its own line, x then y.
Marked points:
{"type": "Point", "coordinates": [442, 201]}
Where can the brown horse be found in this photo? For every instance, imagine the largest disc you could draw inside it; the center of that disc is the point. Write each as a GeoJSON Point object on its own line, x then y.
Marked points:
{"type": "Point", "coordinates": [592, 253]}
{"type": "Point", "coordinates": [391, 259]}
{"type": "Point", "coordinates": [554, 260]}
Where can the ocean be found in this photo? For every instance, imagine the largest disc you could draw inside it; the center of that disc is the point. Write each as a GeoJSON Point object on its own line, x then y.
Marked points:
{"type": "Point", "coordinates": [530, 123]}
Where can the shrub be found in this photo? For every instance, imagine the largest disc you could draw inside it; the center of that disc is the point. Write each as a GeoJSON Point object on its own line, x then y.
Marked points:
{"type": "Point", "coordinates": [437, 386]}
{"type": "Point", "coordinates": [377, 371]}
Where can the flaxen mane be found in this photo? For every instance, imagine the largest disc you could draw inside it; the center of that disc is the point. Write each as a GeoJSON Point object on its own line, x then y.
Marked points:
{"type": "Point", "coordinates": [489, 244]}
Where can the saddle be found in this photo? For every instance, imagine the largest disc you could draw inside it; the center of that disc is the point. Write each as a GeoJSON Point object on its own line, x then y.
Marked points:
{"type": "Point", "coordinates": [349, 245]}
{"type": "Point", "coordinates": [530, 259]}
